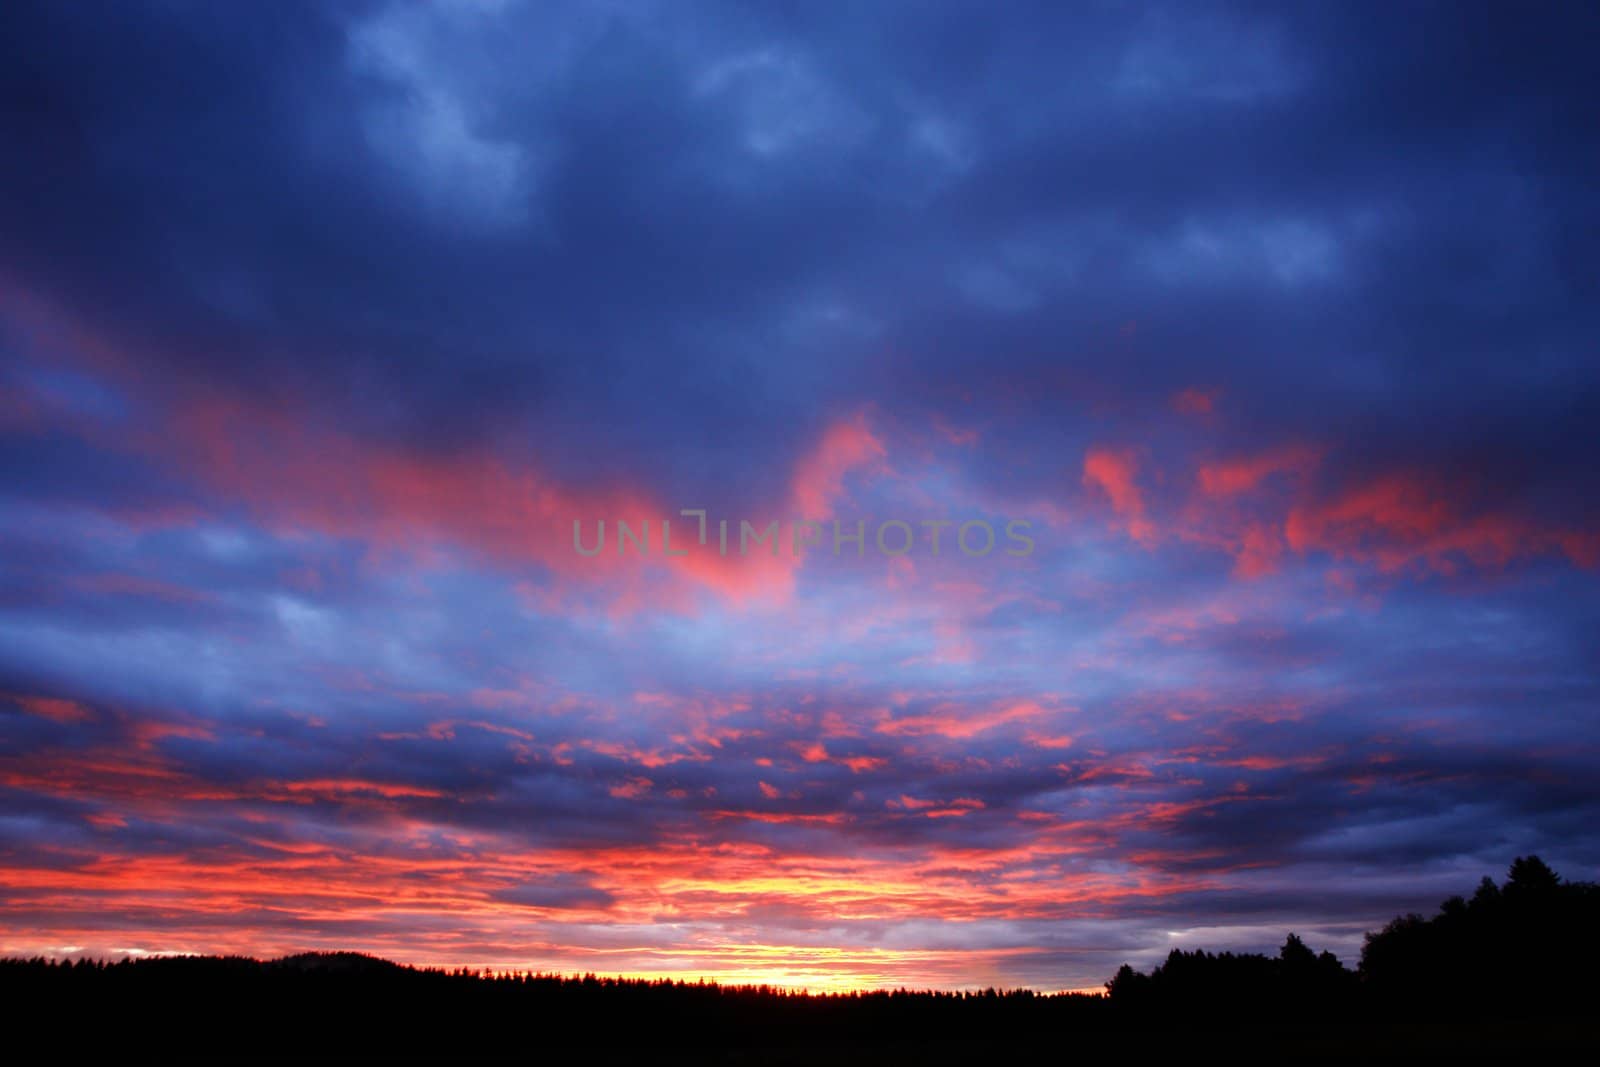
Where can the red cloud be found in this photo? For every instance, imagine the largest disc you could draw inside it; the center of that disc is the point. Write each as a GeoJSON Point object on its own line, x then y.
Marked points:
{"type": "Point", "coordinates": [819, 477]}
{"type": "Point", "coordinates": [1241, 475]}
{"type": "Point", "coordinates": [951, 721]}
{"type": "Point", "coordinates": [296, 476]}
{"type": "Point", "coordinates": [1113, 472]}
{"type": "Point", "coordinates": [1406, 519]}
{"type": "Point", "coordinates": [1196, 401]}
{"type": "Point", "coordinates": [1393, 520]}
{"type": "Point", "coordinates": [52, 708]}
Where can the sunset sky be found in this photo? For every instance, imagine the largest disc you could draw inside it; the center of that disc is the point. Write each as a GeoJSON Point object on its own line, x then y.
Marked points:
{"type": "Point", "coordinates": [320, 324]}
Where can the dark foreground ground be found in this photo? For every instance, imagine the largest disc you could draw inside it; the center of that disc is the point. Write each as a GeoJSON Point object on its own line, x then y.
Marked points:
{"type": "Point", "coordinates": [1510, 1043]}
{"type": "Point", "coordinates": [347, 1006]}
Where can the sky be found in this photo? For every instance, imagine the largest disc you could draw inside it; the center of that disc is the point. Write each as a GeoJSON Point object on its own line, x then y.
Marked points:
{"type": "Point", "coordinates": [1267, 330]}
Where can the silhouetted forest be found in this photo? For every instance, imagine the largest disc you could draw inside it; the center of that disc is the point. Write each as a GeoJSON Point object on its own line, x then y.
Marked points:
{"type": "Point", "coordinates": [1504, 972]}
{"type": "Point", "coordinates": [1522, 949]}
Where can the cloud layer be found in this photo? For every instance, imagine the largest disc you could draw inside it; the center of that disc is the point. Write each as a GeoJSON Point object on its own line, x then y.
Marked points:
{"type": "Point", "coordinates": [320, 325]}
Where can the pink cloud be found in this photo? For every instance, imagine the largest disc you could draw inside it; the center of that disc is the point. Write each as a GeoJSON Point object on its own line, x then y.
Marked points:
{"type": "Point", "coordinates": [818, 481]}
{"type": "Point", "coordinates": [955, 722]}
{"type": "Point", "coordinates": [53, 708]}
{"type": "Point", "coordinates": [1405, 519]}
{"type": "Point", "coordinates": [1113, 472]}
{"type": "Point", "coordinates": [1245, 473]}
{"type": "Point", "coordinates": [1196, 400]}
